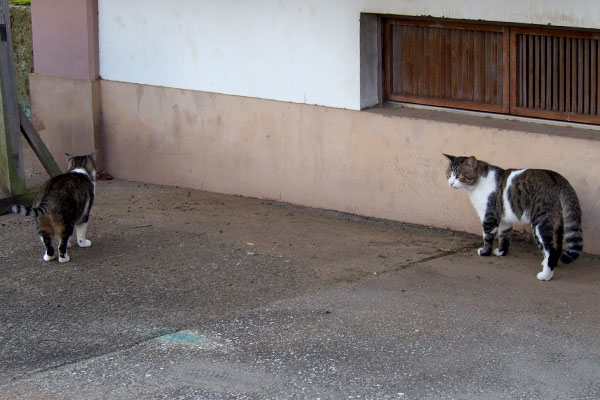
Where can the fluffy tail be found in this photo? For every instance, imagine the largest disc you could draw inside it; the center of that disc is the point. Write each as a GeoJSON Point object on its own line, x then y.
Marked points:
{"type": "Point", "coordinates": [572, 219]}
{"type": "Point", "coordinates": [42, 209]}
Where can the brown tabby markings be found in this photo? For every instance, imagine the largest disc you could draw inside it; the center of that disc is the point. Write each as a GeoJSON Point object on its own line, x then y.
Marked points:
{"type": "Point", "coordinates": [63, 206]}
{"type": "Point", "coordinates": [542, 198]}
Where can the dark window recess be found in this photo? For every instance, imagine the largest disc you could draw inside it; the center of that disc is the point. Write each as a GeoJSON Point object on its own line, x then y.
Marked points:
{"type": "Point", "coordinates": [553, 74]}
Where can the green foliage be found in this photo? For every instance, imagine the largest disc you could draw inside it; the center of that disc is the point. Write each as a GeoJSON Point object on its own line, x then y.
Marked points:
{"type": "Point", "coordinates": [20, 26]}
{"type": "Point", "coordinates": [21, 2]}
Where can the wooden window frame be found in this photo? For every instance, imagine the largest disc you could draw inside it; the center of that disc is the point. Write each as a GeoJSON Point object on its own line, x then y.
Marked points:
{"type": "Point", "coordinates": [509, 68]}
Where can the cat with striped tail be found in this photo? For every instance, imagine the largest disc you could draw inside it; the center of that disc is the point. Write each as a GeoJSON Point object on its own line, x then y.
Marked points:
{"type": "Point", "coordinates": [63, 205]}
{"type": "Point", "coordinates": [541, 198]}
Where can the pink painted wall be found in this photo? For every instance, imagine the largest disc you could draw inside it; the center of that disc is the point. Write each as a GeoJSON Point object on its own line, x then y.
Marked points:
{"type": "Point", "coordinates": [65, 38]}
{"type": "Point", "coordinates": [384, 163]}
{"type": "Point", "coordinates": [66, 114]}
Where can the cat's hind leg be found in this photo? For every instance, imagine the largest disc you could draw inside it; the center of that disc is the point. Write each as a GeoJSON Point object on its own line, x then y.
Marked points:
{"type": "Point", "coordinates": [64, 233]}
{"type": "Point", "coordinates": [50, 253]}
{"type": "Point", "coordinates": [503, 240]}
{"type": "Point", "coordinates": [46, 232]}
{"type": "Point", "coordinates": [544, 233]}
{"type": "Point", "coordinates": [81, 231]}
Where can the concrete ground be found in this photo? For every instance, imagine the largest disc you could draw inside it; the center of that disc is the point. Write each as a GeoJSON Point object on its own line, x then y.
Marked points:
{"type": "Point", "coordinates": [192, 295]}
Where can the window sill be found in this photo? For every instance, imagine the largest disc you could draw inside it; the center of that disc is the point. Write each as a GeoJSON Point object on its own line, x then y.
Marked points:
{"type": "Point", "coordinates": [488, 120]}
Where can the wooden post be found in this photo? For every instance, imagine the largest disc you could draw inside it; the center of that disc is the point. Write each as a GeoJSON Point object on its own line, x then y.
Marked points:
{"type": "Point", "coordinates": [12, 122]}
{"type": "Point", "coordinates": [12, 175]}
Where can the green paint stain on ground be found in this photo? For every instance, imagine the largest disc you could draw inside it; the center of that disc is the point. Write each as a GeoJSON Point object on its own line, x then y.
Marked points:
{"type": "Point", "coordinates": [189, 337]}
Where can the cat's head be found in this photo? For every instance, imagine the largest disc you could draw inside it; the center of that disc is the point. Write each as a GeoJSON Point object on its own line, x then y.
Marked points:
{"type": "Point", "coordinates": [87, 163]}
{"type": "Point", "coordinates": [463, 172]}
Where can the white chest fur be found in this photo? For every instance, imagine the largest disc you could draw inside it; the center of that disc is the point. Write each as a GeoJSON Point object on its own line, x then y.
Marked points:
{"type": "Point", "coordinates": [480, 194]}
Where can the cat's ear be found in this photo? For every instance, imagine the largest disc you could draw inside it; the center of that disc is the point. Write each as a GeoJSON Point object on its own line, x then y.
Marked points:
{"type": "Point", "coordinates": [68, 157]}
{"type": "Point", "coordinates": [471, 162]}
{"type": "Point", "coordinates": [451, 158]}
{"type": "Point", "coordinates": [94, 154]}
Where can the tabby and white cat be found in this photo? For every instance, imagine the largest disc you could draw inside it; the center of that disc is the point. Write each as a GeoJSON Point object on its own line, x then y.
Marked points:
{"type": "Point", "coordinates": [544, 199]}
{"type": "Point", "coordinates": [63, 204]}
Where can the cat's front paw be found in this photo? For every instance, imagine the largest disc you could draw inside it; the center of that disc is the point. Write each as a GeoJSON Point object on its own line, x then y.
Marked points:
{"type": "Point", "coordinates": [84, 242]}
{"type": "Point", "coordinates": [499, 253]}
{"type": "Point", "coordinates": [64, 259]}
{"type": "Point", "coordinates": [483, 252]}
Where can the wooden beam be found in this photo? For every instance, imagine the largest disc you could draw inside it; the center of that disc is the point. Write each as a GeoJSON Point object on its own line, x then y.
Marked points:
{"type": "Point", "coordinates": [12, 171]}
{"type": "Point", "coordinates": [38, 146]}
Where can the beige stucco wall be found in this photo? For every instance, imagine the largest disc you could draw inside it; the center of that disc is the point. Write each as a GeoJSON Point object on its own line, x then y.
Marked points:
{"type": "Point", "coordinates": [381, 163]}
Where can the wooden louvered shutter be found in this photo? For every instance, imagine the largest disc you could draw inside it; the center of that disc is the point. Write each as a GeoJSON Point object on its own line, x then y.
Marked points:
{"type": "Point", "coordinates": [555, 74]}
{"type": "Point", "coordinates": [446, 64]}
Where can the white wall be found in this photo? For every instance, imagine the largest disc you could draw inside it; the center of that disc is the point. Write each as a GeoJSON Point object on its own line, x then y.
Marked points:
{"type": "Point", "coordinates": [303, 51]}
{"type": "Point", "coordinates": [299, 51]}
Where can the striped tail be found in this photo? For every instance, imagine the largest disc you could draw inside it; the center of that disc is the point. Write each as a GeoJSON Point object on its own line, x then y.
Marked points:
{"type": "Point", "coordinates": [42, 209]}
{"type": "Point", "coordinates": [572, 220]}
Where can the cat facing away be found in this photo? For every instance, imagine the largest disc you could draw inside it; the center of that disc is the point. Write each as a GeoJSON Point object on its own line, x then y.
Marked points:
{"type": "Point", "coordinates": [63, 205]}
{"type": "Point", "coordinates": [541, 198]}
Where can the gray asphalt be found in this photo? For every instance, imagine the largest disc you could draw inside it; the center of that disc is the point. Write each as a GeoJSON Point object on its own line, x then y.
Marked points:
{"type": "Point", "coordinates": [191, 295]}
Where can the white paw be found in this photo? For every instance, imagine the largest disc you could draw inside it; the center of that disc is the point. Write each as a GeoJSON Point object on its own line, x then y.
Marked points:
{"type": "Point", "coordinates": [480, 251]}
{"type": "Point", "coordinates": [545, 275]}
{"type": "Point", "coordinates": [498, 253]}
{"type": "Point", "coordinates": [84, 242]}
{"type": "Point", "coordinates": [64, 259]}
{"type": "Point", "coordinates": [49, 258]}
